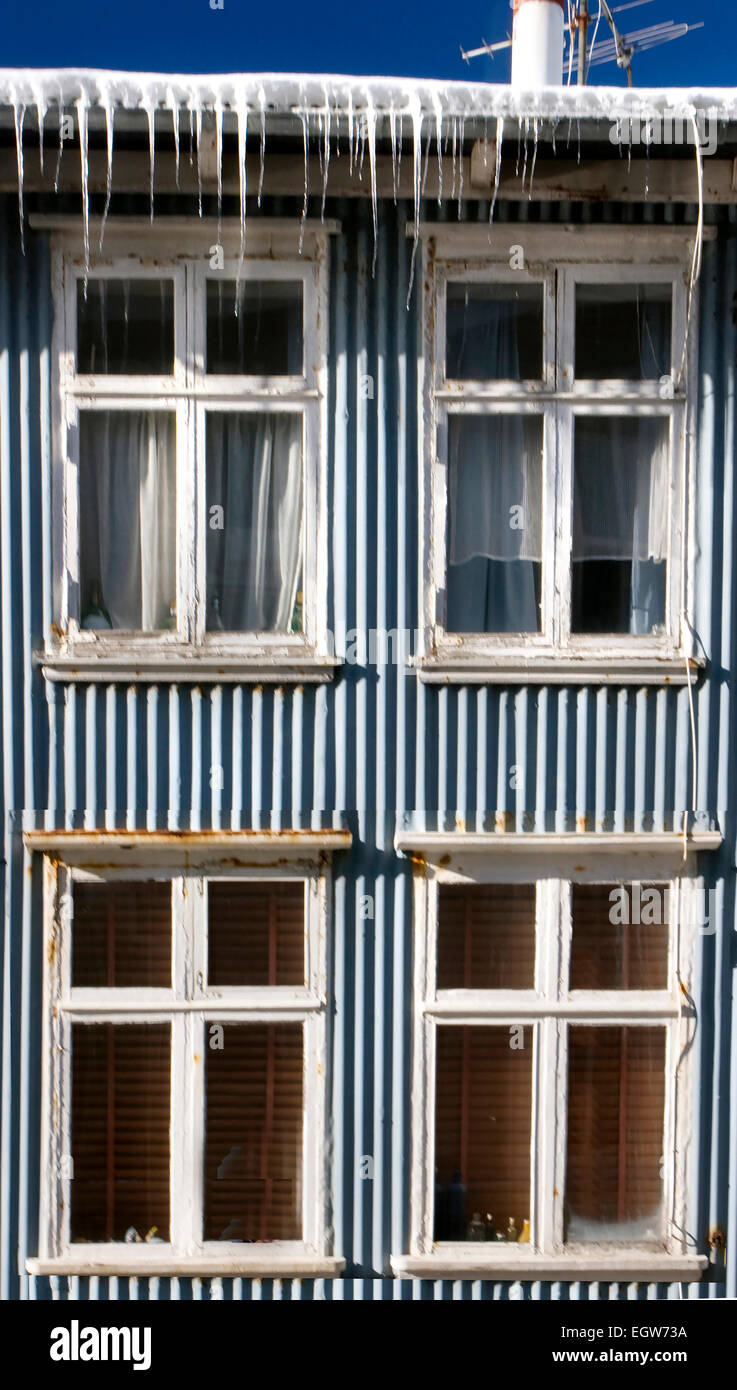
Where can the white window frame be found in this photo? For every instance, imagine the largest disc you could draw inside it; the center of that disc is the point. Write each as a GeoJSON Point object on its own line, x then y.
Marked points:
{"type": "Point", "coordinates": [190, 1006]}
{"type": "Point", "coordinates": [550, 1010]}
{"type": "Point", "coordinates": [557, 258]}
{"type": "Point", "coordinates": [181, 251]}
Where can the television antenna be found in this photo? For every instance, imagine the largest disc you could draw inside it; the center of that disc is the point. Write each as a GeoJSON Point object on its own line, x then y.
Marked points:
{"type": "Point", "coordinates": [583, 50]}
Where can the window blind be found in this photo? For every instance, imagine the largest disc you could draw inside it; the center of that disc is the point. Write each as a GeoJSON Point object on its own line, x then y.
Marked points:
{"type": "Point", "coordinates": [253, 1133]}
{"type": "Point", "coordinates": [483, 1118]}
{"type": "Point", "coordinates": [486, 936]}
{"type": "Point", "coordinates": [256, 933]}
{"type": "Point", "coordinates": [616, 1089]}
{"type": "Point", "coordinates": [121, 935]}
{"type": "Point", "coordinates": [120, 1131]}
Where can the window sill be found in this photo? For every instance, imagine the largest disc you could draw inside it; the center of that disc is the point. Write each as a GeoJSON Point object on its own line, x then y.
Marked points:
{"type": "Point", "coordinates": [262, 666]}
{"type": "Point", "coordinates": [557, 668]}
{"type": "Point", "coordinates": [648, 1266]}
{"type": "Point", "coordinates": [167, 1266]}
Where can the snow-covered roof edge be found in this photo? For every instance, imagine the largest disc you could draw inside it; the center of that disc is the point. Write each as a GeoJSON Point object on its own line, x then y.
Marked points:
{"type": "Point", "coordinates": [285, 93]}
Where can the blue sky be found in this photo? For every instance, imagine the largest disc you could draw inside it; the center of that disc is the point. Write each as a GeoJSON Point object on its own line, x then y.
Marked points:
{"type": "Point", "coordinates": [406, 39]}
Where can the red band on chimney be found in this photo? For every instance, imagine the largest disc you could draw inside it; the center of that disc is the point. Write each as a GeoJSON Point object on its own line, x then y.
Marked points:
{"type": "Point", "coordinates": [519, 3]}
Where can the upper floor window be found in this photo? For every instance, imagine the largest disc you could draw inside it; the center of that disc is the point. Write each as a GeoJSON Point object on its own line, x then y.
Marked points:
{"type": "Point", "coordinates": [556, 416]}
{"type": "Point", "coordinates": [191, 431]}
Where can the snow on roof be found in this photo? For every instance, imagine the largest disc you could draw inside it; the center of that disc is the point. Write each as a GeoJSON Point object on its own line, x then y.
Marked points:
{"type": "Point", "coordinates": [298, 93]}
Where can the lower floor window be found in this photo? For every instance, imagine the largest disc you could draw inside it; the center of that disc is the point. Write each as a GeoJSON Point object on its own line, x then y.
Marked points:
{"type": "Point", "coordinates": [187, 1036]}
{"type": "Point", "coordinates": [548, 1049]}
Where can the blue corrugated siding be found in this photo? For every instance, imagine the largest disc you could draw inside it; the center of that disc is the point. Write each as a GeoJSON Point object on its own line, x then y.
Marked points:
{"type": "Point", "coordinates": [373, 744]}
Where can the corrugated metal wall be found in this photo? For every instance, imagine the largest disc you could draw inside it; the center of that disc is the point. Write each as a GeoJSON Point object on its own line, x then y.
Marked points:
{"type": "Point", "coordinates": [373, 744]}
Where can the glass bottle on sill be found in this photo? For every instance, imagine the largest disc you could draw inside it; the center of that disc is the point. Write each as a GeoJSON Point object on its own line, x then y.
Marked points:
{"type": "Point", "coordinates": [296, 623]}
{"type": "Point", "coordinates": [476, 1228]}
{"type": "Point", "coordinates": [214, 621]}
{"type": "Point", "coordinates": [489, 1231]}
{"type": "Point", "coordinates": [170, 623]}
{"type": "Point", "coordinates": [96, 617]}
{"type": "Point", "coordinates": [524, 1235]}
{"type": "Point", "coordinates": [511, 1229]}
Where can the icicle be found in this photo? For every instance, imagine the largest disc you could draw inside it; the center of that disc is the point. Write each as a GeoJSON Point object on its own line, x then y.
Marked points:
{"type": "Point", "coordinates": [371, 138]}
{"type": "Point", "coordinates": [439, 142]}
{"type": "Point", "coordinates": [219, 159]}
{"type": "Point", "coordinates": [325, 154]}
{"type": "Point", "coordinates": [497, 165]}
{"type": "Point", "coordinates": [198, 120]}
{"type": "Point", "coordinates": [393, 136]}
{"type": "Point", "coordinates": [519, 146]}
{"type": "Point", "coordinates": [175, 123]}
{"type": "Point", "coordinates": [461, 136]}
{"type": "Point", "coordinates": [415, 111]}
{"type": "Point", "coordinates": [151, 119]}
{"type": "Point", "coordinates": [453, 141]}
{"type": "Point", "coordinates": [84, 164]}
{"type": "Point", "coordinates": [61, 141]}
{"type": "Point", "coordinates": [578, 133]}
{"type": "Point", "coordinates": [695, 271]}
{"type": "Point", "coordinates": [109, 110]}
{"type": "Point", "coordinates": [241, 115]}
{"type": "Point", "coordinates": [19, 113]}
{"type": "Point", "coordinates": [536, 133]}
{"type": "Point", "coordinates": [304, 117]}
{"type": "Point", "coordinates": [262, 106]}
{"type": "Point", "coordinates": [191, 137]}
{"type": "Point", "coordinates": [524, 166]}
{"type": "Point", "coordinates": [41, 118]}
{"type": "Point", "coordinates": [350, 132]}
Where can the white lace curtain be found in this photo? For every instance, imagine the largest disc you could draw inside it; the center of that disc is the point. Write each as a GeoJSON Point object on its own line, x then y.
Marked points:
{"type": "Point", "coordinates": [254, 474]}
{"type": "Point", "coordinates": [495, 479]}
{"type": "Point", "coordinates": [128, 531]}
{"type": "Point", "coordinates": [127, 511]}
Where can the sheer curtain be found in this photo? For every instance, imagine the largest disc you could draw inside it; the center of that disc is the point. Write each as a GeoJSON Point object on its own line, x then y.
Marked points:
{"type": "Point", "coordinates": [620, 509]}
{"type": "Point", "coordinates": [254, 520]}
{"type": "Point", "coordinates": [494, 498]}
{"type": "Point", "coordinates": [127, 519]}
{"type": "Point", "coordinates": [495, 522]}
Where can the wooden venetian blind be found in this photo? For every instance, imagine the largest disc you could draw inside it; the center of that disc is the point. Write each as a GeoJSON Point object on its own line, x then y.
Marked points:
{"type": "Point", "coordinates": [616, 1094]}
{"type": "Point", "coordinates": [486, 936]}
{"type": "Point", "coordinates": [607, 953]}
{"type": "Point", "coordinates": [256, 933]}
{"type": "Point", "coordinates": [121, 935]}
{"type": "Point", "coordinates": [120, 1130]}
{"type": "Point", "coordinates": [483, 1118]}
{"type": "Point", "coordinates": [253, 1133]}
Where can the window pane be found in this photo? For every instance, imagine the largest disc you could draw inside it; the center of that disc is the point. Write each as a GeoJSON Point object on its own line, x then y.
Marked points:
{"type": "Point", "coordinates": [121, 935]}
{"type": "Point", "coordinates": [483, 1118]}
{"type": "Point", "coordinates": [254, 530]}
{"type": "Point", "coordinates": [125, 326]}
{"type": "Point", "coordinates": [486, 936]}
{"type": "Point", "coordinates": [253, 1134]}
{"type": "Point", "coordinates": [127, 520]}
{"type": "Point", "coordinates": [494, 332]}
{"type": "Point", "coordinates": [620, 936]}
{"type": "Point", "coordinates": [256, 933]}
{"type": "Point", "coordinates": [120, 1131]}
{"type": "Point", "coordinates": [623, 332]}
{"type": "Point", "coordinates": [494, 523]}
{"type": "Point", "coordinates": [259, 331]}
{"type": "Point", "coordinates": [620, 523]}
{"type": "Point", "coordinates": [616, 1087]}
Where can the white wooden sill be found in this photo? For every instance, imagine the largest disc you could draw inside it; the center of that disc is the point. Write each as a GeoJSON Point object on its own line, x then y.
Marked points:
{"type": "Point", "coordinates": [557, 668]}
{"type": "Point", "coordinates": [257, 1266]}
{"type": "Point", "coordinates": [649, 1266]}
{"type": "Point", "coordinates": [256, 667]}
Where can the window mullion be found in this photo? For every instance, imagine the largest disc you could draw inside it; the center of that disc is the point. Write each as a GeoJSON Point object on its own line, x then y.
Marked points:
{"type": "Point", "coordinates": [563, 523]}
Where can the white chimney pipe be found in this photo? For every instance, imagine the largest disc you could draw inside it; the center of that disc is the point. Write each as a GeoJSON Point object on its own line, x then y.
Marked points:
{"type": "Point", "coordinates": [537, 43]}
